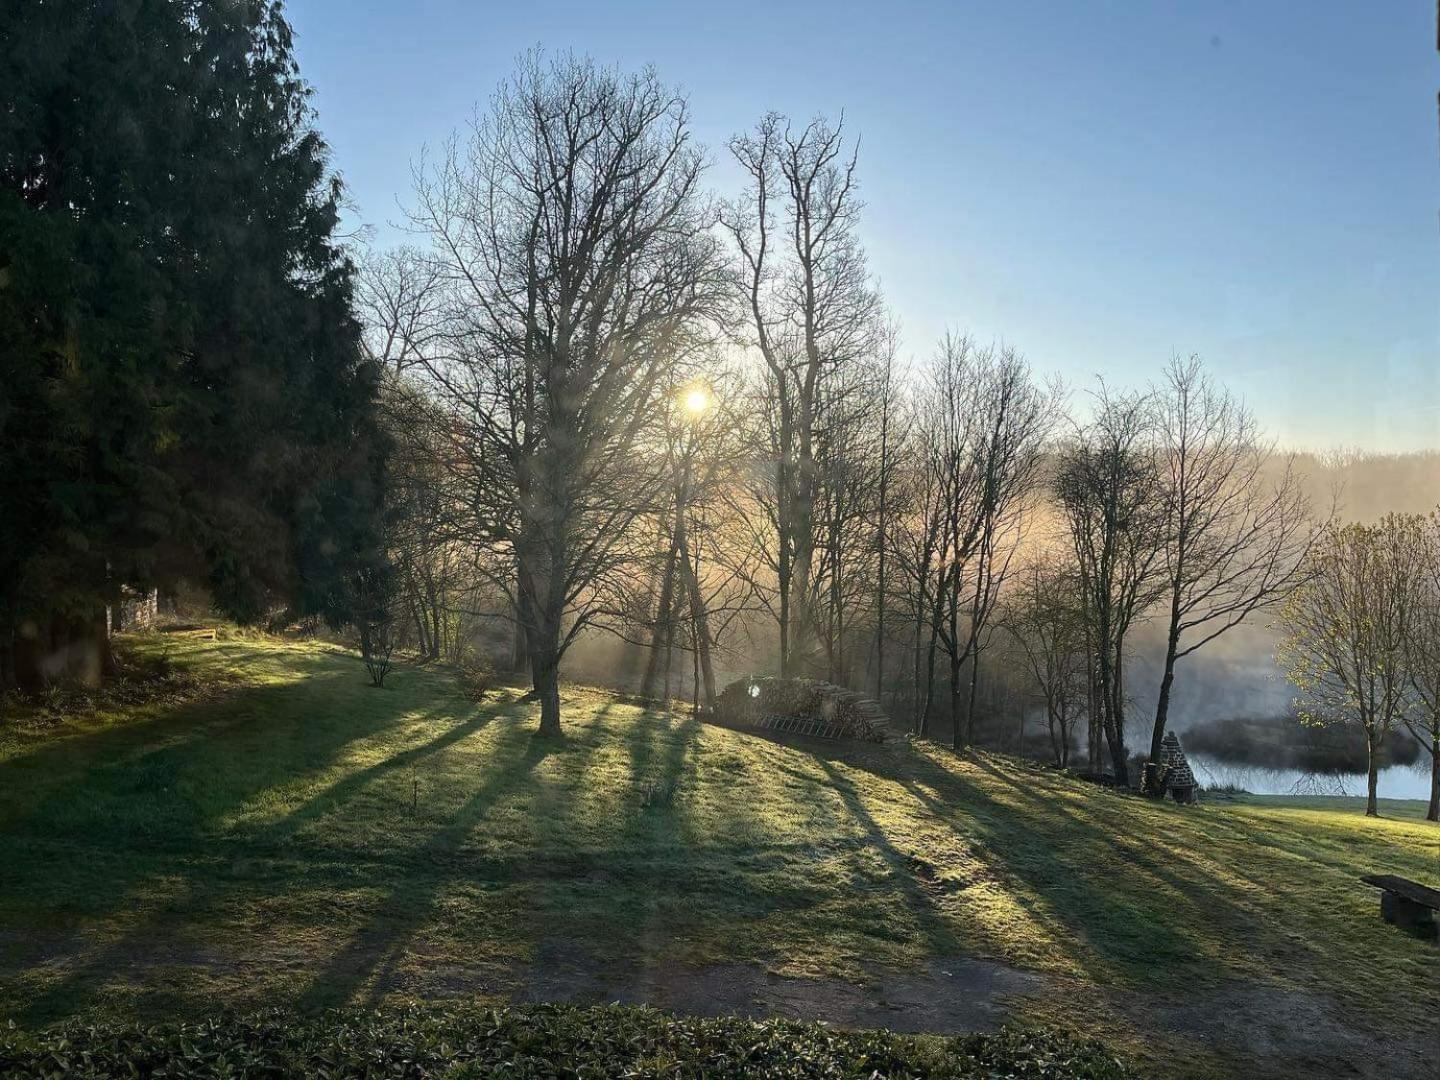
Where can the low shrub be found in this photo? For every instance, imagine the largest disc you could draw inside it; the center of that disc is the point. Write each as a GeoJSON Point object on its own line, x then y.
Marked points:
{"type": "Point", "coordinates": [418, 1040]}
{"type": "Point", "coordinates": [476, 678]}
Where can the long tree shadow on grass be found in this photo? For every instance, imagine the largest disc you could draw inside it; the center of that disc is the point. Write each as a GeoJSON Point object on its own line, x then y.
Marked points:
{"type": "Point", "coordinates": [1248, 907]}
{"type": "Point", "coordinates": [1148, 917]}
{"type": "Point", "coordinates": [147, 851]}
{"type": "Point", "coordinates": [374, 952]}
{"type": "Point", "coordinates": [828, 830]}
{"type": "Point", "coordinates": [616, 845]}
{"type": "Point", "coordinates": [937, 936]}
{"type": "Point", "coordinates": [1138, 923]}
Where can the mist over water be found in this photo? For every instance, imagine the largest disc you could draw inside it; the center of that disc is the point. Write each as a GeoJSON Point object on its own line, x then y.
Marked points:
{"type": "Point", "coordinates": [1395, 782]}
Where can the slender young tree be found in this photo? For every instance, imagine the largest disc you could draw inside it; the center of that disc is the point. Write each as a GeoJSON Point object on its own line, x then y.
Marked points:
{"type": "Point", "coordinates": [885, 482]}
{"type": "Point", "coordinates": [812, 310]}
{"type": "Point", "coordinates": [1109, 494]}
{"type": "Point", "coordinates": [985, 425]}
{"type": "Point", "coordinates": [1346, 630]}
{"type": "Point", "coordinates": [1046, 618]}
{"type": "Point", "coordinates": [1237, 523]}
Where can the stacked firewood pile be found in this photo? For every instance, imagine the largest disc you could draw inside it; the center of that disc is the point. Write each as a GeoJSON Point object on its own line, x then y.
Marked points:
{"type": "Point", "coordinates": [802, 707]}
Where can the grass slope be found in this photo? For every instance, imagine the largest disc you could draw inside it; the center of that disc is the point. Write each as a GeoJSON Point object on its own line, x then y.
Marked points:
{"type": "Point", "coordinates": [301, 838]}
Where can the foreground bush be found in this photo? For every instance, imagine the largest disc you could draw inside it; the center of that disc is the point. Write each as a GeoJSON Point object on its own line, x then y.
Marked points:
{"type": "Point", "coordinates": [418, 1040]}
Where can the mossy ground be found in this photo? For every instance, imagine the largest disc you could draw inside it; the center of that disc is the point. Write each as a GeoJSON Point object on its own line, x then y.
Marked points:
{"type": "Point", "coordinates": [298, 837]}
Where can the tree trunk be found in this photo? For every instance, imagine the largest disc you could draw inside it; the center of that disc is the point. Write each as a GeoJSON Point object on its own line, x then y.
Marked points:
{"type": "Point", "coordinates": [784, 587]}
{"type": "Point", "coordinates": [1062, 756]}
{"type": "Point", "coordinates": [970, 705]}
{"type": "Point", "coordinates": [923, 727]}
{"type": "Point", "coordinates": [1372, 774]}
{"type": "Point", "coordinates": [957, 741]}
{"type": "Point", "coordinates": [880, 540]}
{"type": "Point", "coordinates": [663, 630]}
{"type": "Point", "coordinates": [541, 560]}
{"type": "Point", "coordinates": [545, 671]}
{"type": "Point", "coordinates": [520, 644]}
{"type": "Point", "coordinates": [1116, 709]}
{"type": "Point", "coordinates": [1162, 705]}
{"type": "Point", "coordinates": [1433, 813]}
{"type": "Point", "coordinates": [917, 666]}
{"type": "Point", "coordinates": [702, 624]}
{"type": "Point", "coordinates": [437, 623]}
{"type": "Point", "coordinates": [957, 667]}
{"type": "Point", "coordinates": [802, 614]}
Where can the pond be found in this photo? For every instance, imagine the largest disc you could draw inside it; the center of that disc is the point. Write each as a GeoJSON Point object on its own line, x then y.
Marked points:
{"type": "Point", "coordinates": [1396, 782]}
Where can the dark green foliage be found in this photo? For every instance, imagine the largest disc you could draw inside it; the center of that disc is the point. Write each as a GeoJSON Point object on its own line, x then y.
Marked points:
{"type": "Point", "coordinates": [181, 387]}
{"type": "Point", "coordinates": [418, 1040]}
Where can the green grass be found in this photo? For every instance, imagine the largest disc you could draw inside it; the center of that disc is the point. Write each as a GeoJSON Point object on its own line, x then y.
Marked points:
{"type": "Point", "coordinates": [1390, 808]}
{"type": "Point", "coordinates": [301, 838]}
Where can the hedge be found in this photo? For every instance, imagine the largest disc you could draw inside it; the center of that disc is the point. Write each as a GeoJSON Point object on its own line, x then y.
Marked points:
{"type": "Point", "coordinates": [421, 1040]}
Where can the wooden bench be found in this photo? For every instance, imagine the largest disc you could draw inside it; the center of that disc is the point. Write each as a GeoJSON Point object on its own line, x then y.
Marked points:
{"type": "Point", "coordinates": [1406, 903]}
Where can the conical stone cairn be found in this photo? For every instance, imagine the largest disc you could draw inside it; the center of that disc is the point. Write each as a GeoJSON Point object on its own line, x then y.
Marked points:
{"type": "Point", "coordinates": [1179, 777]}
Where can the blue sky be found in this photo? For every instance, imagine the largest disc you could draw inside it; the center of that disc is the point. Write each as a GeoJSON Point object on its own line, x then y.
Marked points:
{"type": "Point", "coordinates": [1100, 185]}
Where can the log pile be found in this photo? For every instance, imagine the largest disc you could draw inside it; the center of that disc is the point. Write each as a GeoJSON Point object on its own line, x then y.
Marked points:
{"type": "Point", "coordinates": [802, 707]}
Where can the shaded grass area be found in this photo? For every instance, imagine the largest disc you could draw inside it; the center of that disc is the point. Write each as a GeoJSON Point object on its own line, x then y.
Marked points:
{"type": "Point", "coordinates": [306, 839]}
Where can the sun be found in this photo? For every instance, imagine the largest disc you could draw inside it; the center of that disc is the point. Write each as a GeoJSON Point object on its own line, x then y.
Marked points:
{"type": "Point", "coordinates": [696, 401]}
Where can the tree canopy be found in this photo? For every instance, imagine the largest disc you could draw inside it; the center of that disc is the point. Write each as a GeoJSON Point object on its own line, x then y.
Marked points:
{"type": "Point", "coordinates": [183, 389]}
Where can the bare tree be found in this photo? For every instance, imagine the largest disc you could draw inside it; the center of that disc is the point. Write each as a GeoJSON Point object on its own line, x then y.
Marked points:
{"type": "Point", "coordinates": [1045, 615]}
{"type": "Point", "coordinates": [430, 567]}
{"type": "Point", "coordinates": [399, 296]}
{"type": "Point", "coordinates": [884, 511]}
{"type": "Point", "coordinates": [702, 454]}
{"type": "Point", "coordinates": [1346, 630]}
{"type": "Point", "coordinates": [849, 475]}
{"type": "Point", "coordinates": [812, 309]}
{"type": "Point", "coordinates": [578, 263]}
{"type": "Point", "coordinates": [1109, 492]}
{"type": "Point", "coordinates": [984, 423]}
{"type": "Point", "coordinates": [1237, 523]}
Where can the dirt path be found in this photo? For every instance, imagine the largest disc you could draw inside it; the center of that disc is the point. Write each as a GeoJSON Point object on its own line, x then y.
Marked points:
{"type": "Point", "coordinates": [958, 995]}
{"type": "Point", "coordinates": [1256, 1031]}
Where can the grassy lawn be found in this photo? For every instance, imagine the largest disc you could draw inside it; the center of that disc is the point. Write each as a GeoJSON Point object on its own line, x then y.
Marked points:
{"type": "Point", "coordinates": [301, 838]}
{"type": "Point", "coordinates": [1390, 808]}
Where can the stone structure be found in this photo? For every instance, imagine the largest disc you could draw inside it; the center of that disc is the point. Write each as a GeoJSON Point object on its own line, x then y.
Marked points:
{"type": "Point", "coordinates": [1178, 776]}
{"type": "Point", "coordinates": [801, 707]}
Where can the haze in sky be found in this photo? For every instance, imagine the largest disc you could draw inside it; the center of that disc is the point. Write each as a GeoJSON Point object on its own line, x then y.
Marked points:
{"type": "Point", "coordinates": [1099, 185]}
